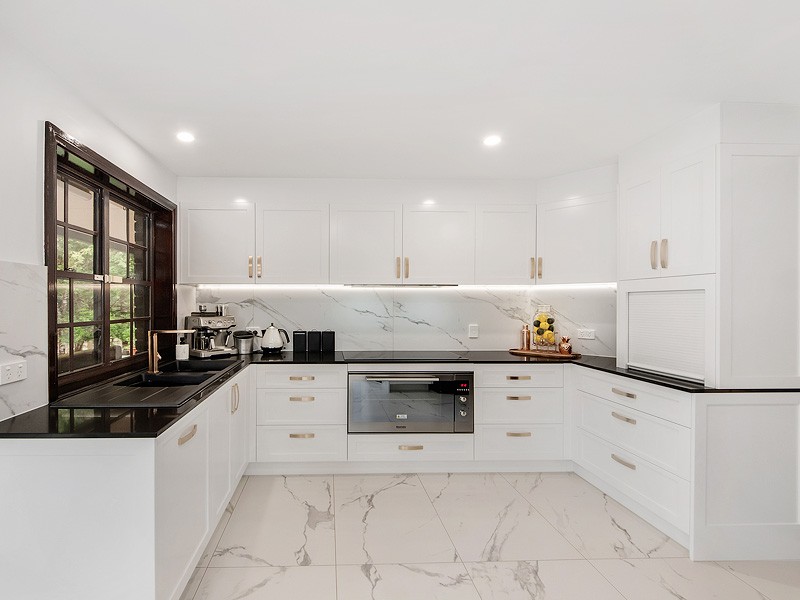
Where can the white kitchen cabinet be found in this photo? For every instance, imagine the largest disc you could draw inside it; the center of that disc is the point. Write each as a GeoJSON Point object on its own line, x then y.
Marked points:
{"type": "Point", "coordinates": [366, 243]}
{"type": "Point", "coordinates": [239, 408]}
{"type": "Point", "coordinates": [505, 244]}
{"type": "Point", "coordinates": [639, 226]}
{"type": "Point", "coordinates": [576, 240]}
{"type": "Point", "coordinates": [439, 244]}
{"type": "Point", "coordinates": [292, 243]}
{"type": "Point", "coordinates": [217, 244]}
{"type": "Point", "coordinates": [219, 455]}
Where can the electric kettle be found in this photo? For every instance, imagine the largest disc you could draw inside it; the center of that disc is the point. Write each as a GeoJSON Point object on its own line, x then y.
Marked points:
{"type": "Point", "coordinates": [272, 340]}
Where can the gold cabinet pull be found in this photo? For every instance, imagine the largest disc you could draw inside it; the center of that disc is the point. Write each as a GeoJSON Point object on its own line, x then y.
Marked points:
{"type": "Point", "coordinates": [259, 269]}
{"type": "Point", "coordinates": [233, 399]}
{"type": "Point", "coordinates": [616, 415]}
{"type": "Point", "coordinates": [250, 267]}
{"type": "Point", "coordinates": [539, 268]}
{"type": "Point", "coordinates": [188, 435]}
{"type": "Point", "coordinates": [410, 447]}
{"type": "Point", "coordinates": [664, 253]}
{"type": "Point", "coordinates": [653, 251]}
{"type": "Point", "coordinates": [518, 397]}
{"type": "Point", "coordinates": [397, 267]}
{"type": "Point", "coordinates": [623, 393]}
{"type": "Point", "coordinates": [518, 377]}
{"type": "Point", "coordinates": [533, 268]}
{"type": "Point", "coordinates": [518, 434]}
{"type": "Point", "coordinates": [407, 267]}
{"type": "Point", "coordinates": [301, 378]}
{"type": "Point", "coordinates": [301, 398]}
{"type": "Point", "coordinates": [301, 436]}
{"type": "Point", "coordinates": [624, 462]}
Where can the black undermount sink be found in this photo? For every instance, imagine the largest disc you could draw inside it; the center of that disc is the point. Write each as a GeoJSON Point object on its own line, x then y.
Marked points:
{"type": "Point", "coordinates": [166, 379]}
{"type": "Point", "coordinates": [197, 366]}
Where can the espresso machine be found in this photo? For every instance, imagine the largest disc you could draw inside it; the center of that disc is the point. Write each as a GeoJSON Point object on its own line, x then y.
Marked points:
{"type": "Point", "coordinates": [212, 336]}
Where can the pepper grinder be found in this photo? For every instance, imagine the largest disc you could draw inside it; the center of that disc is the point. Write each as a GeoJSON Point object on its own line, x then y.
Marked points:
{"type": "Point", "coordinates": [526, 338]}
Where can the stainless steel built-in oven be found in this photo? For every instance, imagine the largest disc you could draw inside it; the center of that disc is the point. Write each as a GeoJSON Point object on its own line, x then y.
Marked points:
{"type": "Point", "coordinates": [403, 402]}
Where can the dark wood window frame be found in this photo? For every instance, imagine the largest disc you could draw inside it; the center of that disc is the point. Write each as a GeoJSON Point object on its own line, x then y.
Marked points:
{"type": "Point", "coordinates": [117, 186]}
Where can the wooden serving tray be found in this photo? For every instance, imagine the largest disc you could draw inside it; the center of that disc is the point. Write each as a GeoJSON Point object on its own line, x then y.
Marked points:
{"type": "Point", "coordinates": [543, 354]}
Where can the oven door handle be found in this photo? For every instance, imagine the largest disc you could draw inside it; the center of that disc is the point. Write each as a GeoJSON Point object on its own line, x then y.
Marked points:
{"type": "Point", "coordinates": [403, 379]}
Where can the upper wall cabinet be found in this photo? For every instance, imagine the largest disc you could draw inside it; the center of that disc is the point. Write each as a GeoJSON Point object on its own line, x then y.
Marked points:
{"type": "Point", "coordinates": [217, 243]}
{"type": "Point", "coordinates": [576, 240]}
{"type": "Point", "coordinates": [291, 243]}
{"type": "Point", "coordinates": [366, 243]}
{"type": "Point", "coordinates": [439, 244]}
{"type": "Point", "coordinates": [667, 221]}
{"type": "Point", "coordinates": [505, 244]}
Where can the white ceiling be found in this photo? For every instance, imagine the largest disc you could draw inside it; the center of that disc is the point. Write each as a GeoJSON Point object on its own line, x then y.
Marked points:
{"type": "Point", "coordinates": [378, 88]}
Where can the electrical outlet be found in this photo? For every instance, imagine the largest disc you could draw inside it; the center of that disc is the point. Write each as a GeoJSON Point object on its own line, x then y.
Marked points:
{"type": "Point", "coordinates": [473, 330]}
{"type": "Point", "coordinates": [14, 371]}
{"type": "Point", "coordinates": [543, 308]}
{"type": "Point", "coordinates": [585, 334]}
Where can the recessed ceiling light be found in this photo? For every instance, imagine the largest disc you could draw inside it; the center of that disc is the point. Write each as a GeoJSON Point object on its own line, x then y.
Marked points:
{"type": "Point", "coordinates": [492, 140]}
{"type": "Point", "coordinates": [429, 201]}
{"type": "Point", "coordinates": [241, 201]}
{"type": "Point", "coordinates": [185, 136]}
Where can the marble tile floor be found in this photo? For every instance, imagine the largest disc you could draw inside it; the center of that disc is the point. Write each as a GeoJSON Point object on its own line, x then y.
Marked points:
{"type": "Point", "coordinates": [470, 536]}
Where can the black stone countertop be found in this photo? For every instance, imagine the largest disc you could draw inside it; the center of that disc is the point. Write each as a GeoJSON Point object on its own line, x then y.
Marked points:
{"type": "Point", "coordinates": [54, 422]}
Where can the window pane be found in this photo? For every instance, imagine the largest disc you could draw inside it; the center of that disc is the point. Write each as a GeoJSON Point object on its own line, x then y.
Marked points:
{"type": "Point", "coordinates": [63, 350]}
{"type": "Point", "coordinates": [138, 228]}
{"type": "Point", "coordinates": [62, 301]}
{"type": "Point", "coordinates": [140, 337]}
{"type": "Point", "coordinates": [117, 221]}
{"type": "Point", "coordinates": [120, 301]}
{"type": "Point", "coordinates": [141, 301]}
{"type": "Point", "coordinates": [138, 263]}
{"type": "Point", "coordinates": [60, 200]}
{"type": "Point", "coordinates": [120, 340]}
{"type": "Point", "coordinates": [60, 248]}
{"type": "Point", "coordinates": [80, 206]}
{"type": "Point", "coordinates": [80, 252]}
{"type": "Point", "coordinates": [87, 301]}
{"type": "Point", "coordinates": [86, 347]}
{"type": "Point", "coordinates": [117, 259]}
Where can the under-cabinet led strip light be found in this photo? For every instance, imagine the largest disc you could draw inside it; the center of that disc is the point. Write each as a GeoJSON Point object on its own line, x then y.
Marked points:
{"type": "Point", "coordinates": [409, 287]}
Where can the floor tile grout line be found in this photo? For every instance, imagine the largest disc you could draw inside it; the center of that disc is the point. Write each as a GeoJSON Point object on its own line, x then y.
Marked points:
{"type": "Point", "coordinates": [335, 556]}
{"type": "Point", "coordinates": [611, 583]}
{"type": "Point", "coordinates": [735, 574]}
{"type": "Point", "coordinates": [228, 522]}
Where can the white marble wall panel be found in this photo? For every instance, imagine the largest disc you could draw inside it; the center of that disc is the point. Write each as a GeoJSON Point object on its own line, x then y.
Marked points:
{"type": "Point", "coordinates": [424, 318]}
{"type": "Point", "coordinates": [23, 334]}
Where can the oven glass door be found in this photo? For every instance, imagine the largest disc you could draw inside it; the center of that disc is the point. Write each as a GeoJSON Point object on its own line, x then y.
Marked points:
{"type": "Point", "coordinates": [401, 403]}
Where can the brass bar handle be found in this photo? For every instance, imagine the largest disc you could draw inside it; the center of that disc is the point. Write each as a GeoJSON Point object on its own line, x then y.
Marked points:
{"type": "Point", "coordinates": [539, 268]}
{"type": "Point", "coordinates": [301, 398]}
{"type": "Point", "coordinates": [302, 436]}
{"type": "Point", "coordinates": [238, 395]}
{"type": "Point", "coordinates": [518, 377]}
{"type": "Point", "coordinates": [533, 268]}
{"type": "Point", "coordinates": [188, 435]}
{"type": "Point", "coordinates": [250, 267]}
{"type": "Point", "coordinates": [410, 447]}
{"type": "Point", "coordinates": [664, 253]}
{"type": "Point", "coordinates": [407, 267]}
{"type": "Point", "coordinates": [518, 434]}
{"type": "Point", "coordinates": [518, 397]}
{"type": "Point", "coordinates": [397, 267]}
{"type": "Point", "coordinates": [616, 415]}
{"type": "Point", "coordinates": [233, 399]}
{"type": "Point", "coordinates": [653, 251]}
{"type": "Point", "coordinates": [259, 269]}
{"type": "Point", "coordinates": [301, 378]}
{"type": "Point", "coordinates": [624, 462]}
{"type": "Point", "coordinates": [623, 393]}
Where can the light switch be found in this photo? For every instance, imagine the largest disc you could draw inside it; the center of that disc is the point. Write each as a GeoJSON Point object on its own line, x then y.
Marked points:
{"type": "Point", "coordinates": [472, 330]}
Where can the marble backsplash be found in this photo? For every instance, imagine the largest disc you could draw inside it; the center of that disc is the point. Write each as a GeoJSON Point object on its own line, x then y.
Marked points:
{"type": "Point", "coordinates": [419, 318]}
{"type": "Point", "coordinates": [23, 334]}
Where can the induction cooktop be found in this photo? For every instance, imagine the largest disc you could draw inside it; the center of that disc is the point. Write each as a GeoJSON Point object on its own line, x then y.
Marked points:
{"type": "Point", "coordinates": [403, 356]}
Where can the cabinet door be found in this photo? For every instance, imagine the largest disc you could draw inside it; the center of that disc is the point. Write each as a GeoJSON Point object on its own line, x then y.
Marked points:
{"type": "Point", "coordinates": [439, 243]}
{"type": "Point", "coordinates": [366, 243]}
{"type": "Point", "coordinates": [219, 463]}
{"type": "Point", "coordinates": [577, 240]}
{"type": "Point", "coordinates": [505, 244]}
{"type": "Point", "coordinates": [688, 215]}
{"type": "Point", "coordinates": [639, 227]}
{"type": "Point", "coordinates": [239, 407]}
{"type": "Point", "coordinates": [217, 243]}
{"type": "Point", "coordinates": [292, 244]}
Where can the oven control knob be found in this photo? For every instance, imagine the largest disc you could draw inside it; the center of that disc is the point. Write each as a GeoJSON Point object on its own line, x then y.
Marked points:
{"type": "Point", "coordinates": [463, 413]}
{"type": "Point", "coordinates": [462, 399]}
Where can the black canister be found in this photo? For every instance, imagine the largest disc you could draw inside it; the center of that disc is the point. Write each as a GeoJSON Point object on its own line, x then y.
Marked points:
{"type": "Point", "coordinates": [314, 342]}
{"type": "Point", "coordinates": [328, 342]}
{"type": "Point", "coordinates": [299, 342]}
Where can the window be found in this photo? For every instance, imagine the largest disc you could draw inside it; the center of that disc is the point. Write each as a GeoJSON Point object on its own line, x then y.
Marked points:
{"type": "Point", "coordinates": [110, 260]}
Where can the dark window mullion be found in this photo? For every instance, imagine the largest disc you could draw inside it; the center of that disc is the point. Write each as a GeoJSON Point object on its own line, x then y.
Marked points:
{"type": "Point", "coordinates": [104, 244]}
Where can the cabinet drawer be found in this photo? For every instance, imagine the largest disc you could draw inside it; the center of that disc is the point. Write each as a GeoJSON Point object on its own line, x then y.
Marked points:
{"type": "Point", "coordinates": [661, 442]}
{"type": "Point", "coordinates": [409, 447]}
{"type": "Point", "coordinates": [301, 443]}
{"type": "Point", "coordinates": [301, 377]}
{"type": "Point", "coordinates": [662, 402]}
{"type": "Point", "coordinates": [515, 375]}
{"type": "Point", "coordinates": [525, 441]}
{"type": "Point", "coordinates": [519, 405]}
{"type": "Point", "coordinates": [665, 494]}
{"type": "Point", "coordinates": [285, 407]}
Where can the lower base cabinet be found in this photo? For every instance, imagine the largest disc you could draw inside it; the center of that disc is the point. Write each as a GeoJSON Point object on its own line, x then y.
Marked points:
{"type": "Point", "coordinates": [519, 442]}
{"type": "Point", "coordinates": [301, 443]}
{"type": "Point", "coordinates": [410, 447]}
